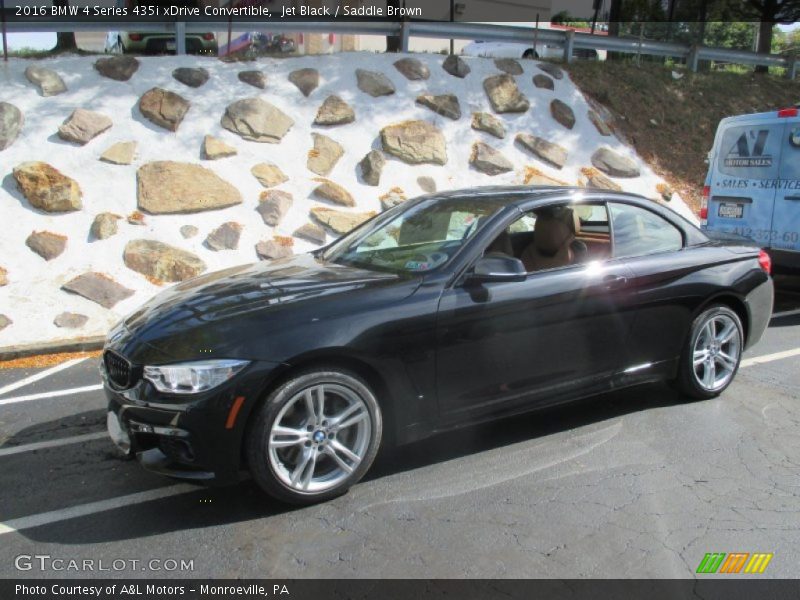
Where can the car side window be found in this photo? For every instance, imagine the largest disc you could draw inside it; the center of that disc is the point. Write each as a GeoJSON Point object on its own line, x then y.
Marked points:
{"type": "Point", "coordinates": [639, 232]}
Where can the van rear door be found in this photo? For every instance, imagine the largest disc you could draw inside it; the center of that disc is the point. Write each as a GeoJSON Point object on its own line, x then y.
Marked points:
{"type": "Point", "coordinates": [786, 213]}
{"type": "Point", "coordinates": [745, 167]}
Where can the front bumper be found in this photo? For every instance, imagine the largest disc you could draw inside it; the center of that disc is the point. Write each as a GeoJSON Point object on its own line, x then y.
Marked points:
{"type": "Point", "coordinates": [188, 436]}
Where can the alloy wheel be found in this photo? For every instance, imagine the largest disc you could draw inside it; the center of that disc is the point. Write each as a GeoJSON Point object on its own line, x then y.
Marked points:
{"type": "Point", "coordinates": [319, 437]}
{"type": "Point", "coordinates": [716, 352]}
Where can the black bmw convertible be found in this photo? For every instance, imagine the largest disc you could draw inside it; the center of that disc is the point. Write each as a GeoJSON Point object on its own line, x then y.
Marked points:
{"type": "Point", "coordinates": [449, 309]}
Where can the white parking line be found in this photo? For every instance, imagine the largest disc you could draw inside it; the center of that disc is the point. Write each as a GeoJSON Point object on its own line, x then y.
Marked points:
{"type": "Point", "coordinates": [786, 313]}
{"type": "Point", "coordinates": [38, 376]}
{"type": "Point", "coordinates": [76, 439]}
{"type": "Point", "coordinates": [54, 394]}
{"type": "Point", "coordinates": [758, 360]}
{"type": "Point", "coordinates": [82, 510]}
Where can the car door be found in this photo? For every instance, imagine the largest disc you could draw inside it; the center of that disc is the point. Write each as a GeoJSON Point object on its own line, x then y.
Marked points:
{"type": "Point", "coordinates": [664, 273]}
{"type": "Point", "coordinates": [558, 333]}
{"type": "Point", "coordinates": [786, 212]}
{"type": "Point", "coordinates": [746, 165]}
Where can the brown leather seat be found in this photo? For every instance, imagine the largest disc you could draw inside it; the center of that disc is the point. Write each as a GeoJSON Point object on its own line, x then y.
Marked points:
{"type": "Point", "coordinates": [501, 245]}
{"type": "Point", "coordinates": [551, 246]}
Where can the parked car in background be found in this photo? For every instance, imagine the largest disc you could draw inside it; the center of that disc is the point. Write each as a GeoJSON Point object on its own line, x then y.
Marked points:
{"type": "Point", "coordinates": [753, 183]}
{"type": "Point", "coordinates": [446, 310]}
{"type": "Point", "coordinates": [126, 42]}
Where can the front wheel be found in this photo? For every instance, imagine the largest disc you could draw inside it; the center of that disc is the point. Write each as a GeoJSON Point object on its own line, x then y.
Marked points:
{"type": "Point", "coordinates": [712, 354]}
{"type": "Point", "coordinates": [315, 436]}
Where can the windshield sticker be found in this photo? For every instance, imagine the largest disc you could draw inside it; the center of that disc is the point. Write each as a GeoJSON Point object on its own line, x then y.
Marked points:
{"type": "Point", "coordinates": [748, 151]}
{"type": "Point", "coordinates": [415, 265]}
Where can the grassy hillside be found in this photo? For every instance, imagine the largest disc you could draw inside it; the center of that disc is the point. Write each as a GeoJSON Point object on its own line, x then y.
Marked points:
{"type": "Point", "coordinates": [671, 122]}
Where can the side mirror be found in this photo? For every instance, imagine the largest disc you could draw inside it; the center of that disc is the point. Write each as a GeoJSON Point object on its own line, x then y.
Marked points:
{"type": "Point", "coordinates": [497, 268]}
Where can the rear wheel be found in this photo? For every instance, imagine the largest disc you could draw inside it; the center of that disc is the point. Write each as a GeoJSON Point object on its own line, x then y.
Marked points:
{"type": "Point", "coordinates": [315, 436]}
{"type": "Point", "coordinates": [712, 354]}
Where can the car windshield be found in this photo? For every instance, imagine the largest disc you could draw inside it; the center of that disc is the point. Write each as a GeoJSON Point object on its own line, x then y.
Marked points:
{"type": "Point", "coordinates": [418, 237]}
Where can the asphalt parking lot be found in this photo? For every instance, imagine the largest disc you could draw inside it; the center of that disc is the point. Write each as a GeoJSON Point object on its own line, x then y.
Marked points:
{"type": "Point", "coordinates": [634, 484]}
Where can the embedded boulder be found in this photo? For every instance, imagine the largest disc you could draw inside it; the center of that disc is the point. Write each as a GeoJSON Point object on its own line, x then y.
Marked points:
{"type": "Point", "coordinates": [456, 66]}
{"type": "Point", "coordinates": [224, 237]}
{"type": "Point", "coordinates": [372, 167]}
{"type": "Point", "coordinates": [46, 188]}
{"type": "Point", "coordinates": [268, 175]}
{"type": "Point", "coordinates": [5, 322]}
{"type": "Point", "coordinates": [160, 261]}
{"type": "Point", "coordinates": [542, 149]}
{"type": "Point", "coordinates": [504, 94]}
{"type": "Point", "coordinates": [255, 78]}
{"type": "Point", "coordinates": [412, 68]}
{"type": "Point", "coordinates": [509, 65]}
{"type": "Point", "coordinates": [595, 179]}
{"type": "Point", "coordinates": [426, 184]}
{"type": "Point", "coordinates": [273, 206]}
{"type": "Point", "coordinates": [99, 288]}
{"type": "Point", "coordinates": [322, 158]}
{"type": "Point", "coordinates": [188, 231]}
{"type": "Point", "coordinates": [169, 187]}
{"type": "Point", "coordinates": [311, 233]}
{"type": "Point", "coordinates": [104, 225]}
{"type": "Point", "coordinates": [11, 121]}
{"type": "Point", "coordinates": [334, 111]}
{"type": "Point", "coordinates": [374, 83]}
{"type": "Point", "coordinates": [488, 160]}
{"type": "Point", "coordinates": [613, 164]}
{"type": "Point", "coordinates": [119, 68]}
{"type": "Point", "coordinates": [534, 176]}
{"type": "Point", "coordinates": [333, 192]}
{"type": "Point", "coordinates": [68, 320]}
{"type": "Point", "coordinates": [562, 113]}
{"type": "Point", "coordinates": [392, 198]}
{"type": "Point", "coordinates": [415, 142]}
{"type": "Point", "coordinates": [543, 82]}
{"type": "Point", "coordinates": [82, 126]}
{"type": "Point", "coordinates": [444, 104]}
{"type": "Point", "coordinates": [48, 81]}
{"type": "Point", "coordinates": [214, 148]}
{"type": "Point", "coordinates": [121, 153]}
{"type": "Point", "coordinates": [482, 121]}
{"type": "Point", "coordinates": [306, 80]}
{"type": "Point", "coordinates": [3, 277]}
{"type": "Point", "coordinates": [256, 120]}
{"type": "Point", "coordinates": [274, 249]}
{"type": "Point", "coordinates": [339, 221]}
{"type": "Point", "coordinates": [46, 244]}
{"type": "Point", "coordinates": [191, 76]}
{"type": "Point", "coordinates": [599, 123]}
{"type": "Point", "coordinates": [164, 108]}
{"type": "Point", "coordinates": [553, 70]}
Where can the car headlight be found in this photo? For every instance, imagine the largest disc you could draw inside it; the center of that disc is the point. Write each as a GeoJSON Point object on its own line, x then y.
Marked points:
{"type": "Point", "coordinates": [193, 377]}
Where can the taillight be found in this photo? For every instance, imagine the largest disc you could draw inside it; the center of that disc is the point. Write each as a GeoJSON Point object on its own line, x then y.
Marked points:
{"type": "Point", "coordinates": [704, 204]}
{"type": "Point", "coordinates": [764, 261]}
{"type": "Point", "coordinates": [787, 112]}
{"type": "Point", "coordinates": [208, 36]}
{"type": "Point", "coordinates": [135, 37]}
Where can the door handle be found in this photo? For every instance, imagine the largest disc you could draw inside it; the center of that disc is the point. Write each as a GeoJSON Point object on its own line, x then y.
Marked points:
{"type": "Point", "coordinates": [613, 282]}
{"type": "Point", "coordinates": [791, 197]}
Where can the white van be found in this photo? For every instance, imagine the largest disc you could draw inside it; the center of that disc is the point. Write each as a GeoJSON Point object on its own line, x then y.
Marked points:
{"type": "Point", "coordinates": [753, 183]}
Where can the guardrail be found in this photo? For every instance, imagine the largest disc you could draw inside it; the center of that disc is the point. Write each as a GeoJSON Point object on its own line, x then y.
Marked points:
{"type": "Point", "coordinates": [568, 40]}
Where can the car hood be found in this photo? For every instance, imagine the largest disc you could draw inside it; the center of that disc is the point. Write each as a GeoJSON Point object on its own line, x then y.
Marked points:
{"type": "Point", "coordinates": [248, 294]}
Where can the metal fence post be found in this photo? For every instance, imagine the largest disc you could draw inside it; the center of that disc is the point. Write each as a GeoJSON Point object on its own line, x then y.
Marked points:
{"type": "Point", "coordinates": [404, 36]}
{"type": "Point", "coordinates": [791, 65]}
{"type": "Point", "coordinates": [180, 37]}
{"type": "Point", "coordinates": [693, 59]}
{"type": "Point", "coordinates": [569, 43]}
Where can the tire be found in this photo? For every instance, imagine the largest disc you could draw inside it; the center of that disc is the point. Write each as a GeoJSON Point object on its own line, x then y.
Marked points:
{"type": "Point", "coordinates": [718, 355]}
{"type": "Point", "coordinates": [300, 458]}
